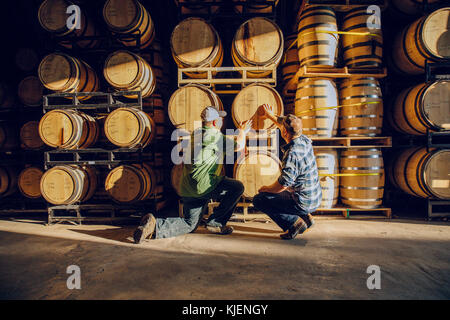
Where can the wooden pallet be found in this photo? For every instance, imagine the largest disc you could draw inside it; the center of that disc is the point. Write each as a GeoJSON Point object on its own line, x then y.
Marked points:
{"type": "Point", "coordinates": [352, 142]}
{"type": "Point", "coordinates": [346, 212]}
{"type": "Point", "coordinates": [345, 72]}
{"type": "Point", "coordinates": [346, 5]}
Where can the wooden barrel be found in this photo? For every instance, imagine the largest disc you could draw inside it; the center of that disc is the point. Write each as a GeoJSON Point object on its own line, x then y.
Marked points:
{"type": "Point", "coordinates": [257, 43]}
{"type": "Point", "coordinates": [68, 129]}
{"type": "Point", "coordinates": [316, 93]}
{"type": "Point", "coordinates": [68, 184]}
{"type": "Point", "coordinates": [246, 103]}
{"type": "Point", "coordinates": [364, 187]}
{"type": "Point", "coordinates": [198, 6]}
{"type": "Point", "coordinates": [361, 51]}
{"type": "Point", "coordinates": [425, 39]}
{"type": "Point", "coordinates": [131, 183]}
{"type": "Point", "coordinates": [6, 96]}
{"type": "Point", "coordinates": [317, 47]}
{"type": "Point", "coordinates": [412, 7]}
{"type": "Point", "coordinates": [62, 73]}
{"type": "Point", "coordinates": [255, 170]}
{"type": "Point", "coordinates": [259, 7]}
{"type": "Point", "coordinates": [125, 70]}
{"type": "Point", "coordinates": [53, 18]}
{"type": "Point", "coordinates": [365, 119]}
{"type": "Point", "coordinates": [187, 103]}
{"type": "Point", "coordinates": [290, 64]}
{"type": "Point", "coordinates": [129, 17]}
{"type": "Point", "coordinates": [30, 91]}
{"type": "Point", "coordinates": [8, 181]}
{"type": "Point", "coordinates": [29, 136]}
{"type": "Point", "coordinates": [26, 59]}
{"type": "Point", "coordinates": [30, 182]}
{"type": "Point", "coordinates": [421, 108]}
{"type": "Point", "coordinates": [190, 51]}
{"type": "Point", "coordinates": [328, 167]}
{"type": "Point", "coordinates": [129, 128]}
{"type": "Point", "coordinates": [423, 174]}
{"type": "Point", "coordinates": [9, 138]}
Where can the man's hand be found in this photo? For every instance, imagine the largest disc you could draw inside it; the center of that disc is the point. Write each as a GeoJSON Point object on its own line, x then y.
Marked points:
{"type": "Point", "coordinates": [246, 126]}
{"type": "Point", "coordinates": [263, 189]}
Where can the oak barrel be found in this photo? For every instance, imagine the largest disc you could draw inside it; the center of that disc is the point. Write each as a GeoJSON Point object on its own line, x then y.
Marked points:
{"type": "Point", "coordinates": [189, 50]}
{"type": "Point", "coordinates": [62, 73]}
{"type": "Point", "coordinates": [68, 129]}
{"type": "Point", "coordinates": [364, 186]}
{"type": "Point", "coordinates": [412, 7]}
{"type": "Point", "coordinates": [129, 17]}
{"type": "Point", "coordinates": [257, 43]}
{"type": "Point", "coordinates": [361, 51]}
{"type": "Point", "coordinates": [9, 138]}
{"type": "Point", "coordinates": [328, 168]}
{"type": "Point", "coordinates": [187, 103]}
{"type": "Point", "coordinates": [427, 39]}
{"type": "Point", "coordinates": [6, 96]}
{"type": "Point", "coordinates": [26, 59]}
{"type": "Point", "coordinates": [8, 181]}
{"type": "Point", "coordinates": [29, 182]}
{"type": "Point", "coordinates": [259, 7]}
{"type": "Point", "coordinates": [68, 184]}
{"type": "Point", "coordinates": [290, 63]}
{"type": "Point", "coordinates": [129, 128]}
{"type": "Point", "coordinates": [423, 174]}
{"type": "Point", "coordinates": [30, 91]}
{"type": "Point", "coordinates": [255, 170]}
{"type": "Point", "coordinates": [247, 101]}
{"type": "Point", "coordinates": [421, 108]}
{"type": "Point", "coordinates": [312, 94]}
{"type": "Point", "coordinates": [126, 71]}
{"type": "Point", "coordinates": [198, 6]}
{"type": "Point", "coordinates": [29, 136]}
{"type": "Point", "coordinates": [317, 42]}
{"type": "Point", "coordinates": [365, 119]}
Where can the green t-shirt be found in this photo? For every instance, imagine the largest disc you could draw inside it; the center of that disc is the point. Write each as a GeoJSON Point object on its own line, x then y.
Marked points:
{"type": "Point", "coordinates": [204, 172]}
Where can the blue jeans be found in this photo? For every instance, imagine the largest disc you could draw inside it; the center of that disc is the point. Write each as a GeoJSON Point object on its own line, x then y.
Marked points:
{"type": "Point", "coordinates": [280, 207]}
{"type": "Point", "coordinates": [227, 192]}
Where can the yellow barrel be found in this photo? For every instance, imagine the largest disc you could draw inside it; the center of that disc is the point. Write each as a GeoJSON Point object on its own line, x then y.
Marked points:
{"type": "Point", "coordinates": [248, 100]}
{"type": "Point", "coordinates": [361, 51]}
{"type": "Point", "coordinates": [424, 40]}
{"type": "Point", "coordinates": [423, 174]}
{"type": "Point", "coordinates": [62, 73]}
{"type": "Point", "coordinates": [131, 183]}
{"type": "Point", "coordinates": [126, 71]}
{"type": "Point", "coordinates": [312, 95]}
{"type": "Point", "coordinates": [29, 136]}
{"type": "Point", "coordinates": [129, 17]}
{"type": "Point", "coordinates": [8, 136]}
{"type": "Point", "coordinates": [356, 119]}
{"type": "Point", "coordinates": [198, 6]}
{"type": "Point", "coordinates": [29, 182]}
{"type": "Point", "coordinates": [328, 168]}
{"type": "Point", "coordinates": [68, 129]}
{"type": "Point", "coordinates": [364, 186]}
{"type": "Point", "coordinates": [255, 170]}
{"type": "Point", "coordinates": [187, 103]}
{"type": "Point", "coordinates": [129, 128]}
{"type": "Point", "coordinates": [317, 44]}
{"type": "Point", "coordinates": [259, 7]}
{"type": "Point", "coordinates": [257, 43]}
{"type": "Point", "coordinates": [30, 91]}
{"type": "Point", "coordinates": [68, 184]}
{"type": "Point", "coordinates": [53, 18]}
{"type": "Point", "coordinates": [290, 64]}
{"type": "Point", "coordinates": [421, 108]}
{"type": "Point", "coordinates": [190, 50]}
{"type": "Point", "coordinates": [8, 181]}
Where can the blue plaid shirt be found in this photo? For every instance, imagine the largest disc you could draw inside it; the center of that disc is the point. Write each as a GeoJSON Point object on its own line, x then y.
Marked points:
{"type": "Point", "coordinates": [299, 173]}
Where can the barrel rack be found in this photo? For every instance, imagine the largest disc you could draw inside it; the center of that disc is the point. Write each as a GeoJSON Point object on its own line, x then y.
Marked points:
{"type": "Point", "coordinates": [345, 5]}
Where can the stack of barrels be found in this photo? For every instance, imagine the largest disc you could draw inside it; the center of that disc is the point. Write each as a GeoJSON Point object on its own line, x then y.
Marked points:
{"type": "Point", "coordinates": [422, 108]}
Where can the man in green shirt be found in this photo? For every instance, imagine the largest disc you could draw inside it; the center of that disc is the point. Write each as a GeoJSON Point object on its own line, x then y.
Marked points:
{"type": "Point", "coordinates": [202, 181]}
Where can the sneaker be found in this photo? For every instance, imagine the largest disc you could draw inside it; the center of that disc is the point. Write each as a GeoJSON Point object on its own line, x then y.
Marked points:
{"type": "Point", "coordinates": [145, 229]}
{"type": "Point", "coordinates": [309, 220]}
{"type": "Point", "coordinates": [220, 230]}
{"type": "Point", "coordinates": [298, 227]}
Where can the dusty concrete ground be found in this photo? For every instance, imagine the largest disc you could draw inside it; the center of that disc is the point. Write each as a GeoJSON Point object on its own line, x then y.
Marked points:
{"type": "Point", "coordinates": [327, 262]}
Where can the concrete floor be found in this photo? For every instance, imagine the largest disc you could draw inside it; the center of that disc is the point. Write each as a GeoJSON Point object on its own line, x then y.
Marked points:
{"type": "Point", "coordinates": [327, 262]}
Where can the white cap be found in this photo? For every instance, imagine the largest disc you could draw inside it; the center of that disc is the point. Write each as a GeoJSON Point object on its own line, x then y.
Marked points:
{"type": "Point", "coordinates": [211, 113]}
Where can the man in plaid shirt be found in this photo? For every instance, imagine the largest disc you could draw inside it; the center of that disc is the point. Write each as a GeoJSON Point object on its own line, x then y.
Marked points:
{"type": "Point", "coordinates": [291, 199]}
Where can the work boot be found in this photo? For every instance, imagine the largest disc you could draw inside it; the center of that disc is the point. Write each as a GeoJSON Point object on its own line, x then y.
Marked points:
{"type": "Point", "coordinates": [220, 230]}
{"type": "Point", "coordinates": [309, 220]}
{"type": "Point", "coordinates": [146, 228]}
{"type": "Point", "coordinates": [298, 227]}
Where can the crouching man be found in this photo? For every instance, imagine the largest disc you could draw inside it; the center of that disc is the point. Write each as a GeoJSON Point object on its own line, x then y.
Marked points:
{"type": "Point", "coordinates": [291, 199]}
